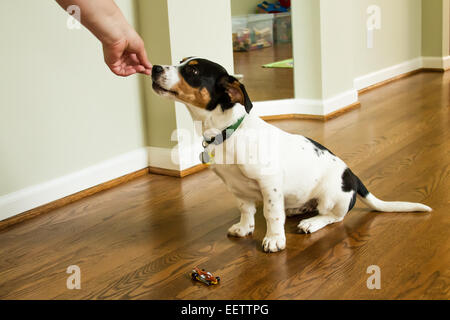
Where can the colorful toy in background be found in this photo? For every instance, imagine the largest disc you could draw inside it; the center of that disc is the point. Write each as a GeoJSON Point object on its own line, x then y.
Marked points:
{"type": "Point", "coordinates": [245, 40]}
{"type": "Point", "coordinates": [282, 29]}
{"type": "Point", "coordinates": [241, 40]}
{"type": "Point", "coordinates": [262, 38]}
{"type": "Point", "coordinates": [257, 31]}
{"type": "Point", "coordinates": [253, 31]}
{"type": "Point", "coordinates": [278, 7]}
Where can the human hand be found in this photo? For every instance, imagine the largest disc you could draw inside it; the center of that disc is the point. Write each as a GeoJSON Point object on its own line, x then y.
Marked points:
{"type": "Point", "coordinates": [127, 55]}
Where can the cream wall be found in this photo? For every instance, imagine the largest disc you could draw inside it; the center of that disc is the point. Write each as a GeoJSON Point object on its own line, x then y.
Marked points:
{"type": "Point", "coordinates": [61, 109]}
{"type": "Point", "coordinates": [398, 40]}
{"type": "Point", "coordinates": [323, 51]}
{"type": "Point", "coordinates": [330, 47]}
{"type": "Point", "coordinates": [307, 49]}
{"type": "Point", "coordinates": [337, 52]}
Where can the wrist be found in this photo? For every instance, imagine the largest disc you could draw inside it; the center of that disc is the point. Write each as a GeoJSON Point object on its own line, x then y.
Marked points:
{"type": "Point", "coordinates": [110, 29]}
{"type": "Point", "coordinates": [115, 30]}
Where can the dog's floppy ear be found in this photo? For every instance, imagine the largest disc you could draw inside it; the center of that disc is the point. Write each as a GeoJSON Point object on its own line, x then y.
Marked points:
{"type": "Point", "coordinates": [185, 59]}
{"type": "Point", "coordinates": [235, 91]}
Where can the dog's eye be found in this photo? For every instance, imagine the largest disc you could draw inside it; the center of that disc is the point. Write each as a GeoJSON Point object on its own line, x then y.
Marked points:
{"type": "Point", "coordinates": [192, 70]}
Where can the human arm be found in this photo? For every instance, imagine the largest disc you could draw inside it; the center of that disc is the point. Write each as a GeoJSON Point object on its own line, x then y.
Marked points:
{"type": "Point", "coordinates": [123, 48]}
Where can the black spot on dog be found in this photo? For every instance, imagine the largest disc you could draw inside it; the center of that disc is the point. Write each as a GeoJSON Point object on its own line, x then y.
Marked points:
{"type": "Point", "coordinates": [318, 153]}
{"type": "Point", "coordinates": [319, 146]}
{"type": "Point", "coordinates": [351, 183]}
{"type": "Point", "coordinates": [362, 190]}
{"type": "Point", "coordinates": [310, 206]}
{"type": "Point", "coordinates": [275, 189]}
{"type": "Point", "coordinates": [352, 202]}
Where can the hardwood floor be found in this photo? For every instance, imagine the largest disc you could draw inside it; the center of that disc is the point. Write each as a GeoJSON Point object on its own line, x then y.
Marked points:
{"type": "Point", "coordinates": [266, 83]}
{"type": "Point", "coordinates": [141, 239]}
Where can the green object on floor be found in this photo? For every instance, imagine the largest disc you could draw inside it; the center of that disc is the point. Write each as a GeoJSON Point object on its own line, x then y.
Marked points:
{"type": "Point", "coordinates": [289, 63]}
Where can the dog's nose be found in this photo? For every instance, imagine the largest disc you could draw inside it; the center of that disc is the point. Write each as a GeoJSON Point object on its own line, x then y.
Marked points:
{"type": "Point", "coordinates": [156, 71]}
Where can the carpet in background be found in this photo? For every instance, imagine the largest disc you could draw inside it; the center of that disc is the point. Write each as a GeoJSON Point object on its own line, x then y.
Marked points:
{"type": "Point", "coordinates": [289, 63]}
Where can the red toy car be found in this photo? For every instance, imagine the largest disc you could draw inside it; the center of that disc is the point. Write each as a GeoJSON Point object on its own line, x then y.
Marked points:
{"type": "Point", "coordinates": [204, 277]}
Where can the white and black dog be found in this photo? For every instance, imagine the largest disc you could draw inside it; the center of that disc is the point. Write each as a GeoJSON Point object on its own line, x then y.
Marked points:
{"type": "Point", "coordinates": [301, 175]}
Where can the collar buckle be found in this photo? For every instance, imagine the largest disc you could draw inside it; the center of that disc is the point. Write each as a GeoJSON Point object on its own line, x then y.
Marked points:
{"type": "Point", "coordinates": [224, 135]}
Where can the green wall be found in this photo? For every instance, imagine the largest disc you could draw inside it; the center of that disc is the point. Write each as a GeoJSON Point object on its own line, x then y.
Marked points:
{"type": "Point", "coordinates": [154, 29]}
{"type": "Point", "coordinates": [432, 28]}
{"type": "Point", "coordinates": [435, 28]}
{"type": "Point", "coordinates": [61, 109]}
{"type": "Point", "coordinates": [240, 7]}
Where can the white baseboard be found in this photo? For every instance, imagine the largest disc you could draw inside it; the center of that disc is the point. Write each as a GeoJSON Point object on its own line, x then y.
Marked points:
{"type": "Point", "coordinates": [339, 101]}
{"type": "Point", "coordinates": [35, 196]}
{"type": "Point", "coordinates": [32, 197]}
{"type": "Point", "coordinates": [446, 63]}
{"type": "Point", "coordinates": [387, 73]}
{"type": "Point", "coordinates": [442, 63]}
{"type": "Point", "coordinates": [162, 158]}
{"type": "Point", "coordinates": [305, 106]}
{"type": "Point", "coordinates": [176, 158]}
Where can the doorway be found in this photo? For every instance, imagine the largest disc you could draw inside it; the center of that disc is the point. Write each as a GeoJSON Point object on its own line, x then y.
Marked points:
{"type": "Point", "coordinates": [262, 48]}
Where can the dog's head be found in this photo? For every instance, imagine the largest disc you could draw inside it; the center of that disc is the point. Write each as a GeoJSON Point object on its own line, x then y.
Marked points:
{"type": "Point", "coordinates": [200, 83]}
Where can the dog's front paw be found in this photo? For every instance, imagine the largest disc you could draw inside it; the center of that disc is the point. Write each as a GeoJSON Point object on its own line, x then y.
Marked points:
{"type": "Point", "coordinates": [240, 230]}
{"type": "Point", "coordinates": [274, 243]}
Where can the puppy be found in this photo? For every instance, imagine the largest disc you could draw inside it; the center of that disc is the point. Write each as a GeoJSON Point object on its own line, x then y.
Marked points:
{"type": "Point", "coordinates": [290, 174]}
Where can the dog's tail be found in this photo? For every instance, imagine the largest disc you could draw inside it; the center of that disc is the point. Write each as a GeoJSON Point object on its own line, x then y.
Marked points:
{"type": "Point", "coordinates": [387, 206]}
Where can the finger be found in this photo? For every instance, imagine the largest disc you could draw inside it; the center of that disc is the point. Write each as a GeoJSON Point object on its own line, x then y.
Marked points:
{"type": "Point", "coordinates": [147, 72]}
{"type": "Point", "coordinates": [133, 59]}
{"type": "Point", "coordinates": [131, 62]}
{"type": "Point", "coordinates": [131, 69]}
{"type": "Point", "coordinates": [142, 56]}
{"type": "Point", "coordinates": [117, 70]}
{"type": "Point", "coordinates": [123, 70]}
{"type": "Point", "coordinates": [139, 68]}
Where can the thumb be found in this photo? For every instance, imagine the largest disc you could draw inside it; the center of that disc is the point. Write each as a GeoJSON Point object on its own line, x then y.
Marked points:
{"type": "Point", "coordinates": [142, 56]}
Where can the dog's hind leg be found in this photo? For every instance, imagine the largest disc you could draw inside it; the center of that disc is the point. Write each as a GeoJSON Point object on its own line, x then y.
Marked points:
{"type": "Point", "coordinates": [328, 214]}
{"type": "Point", "coordinates": [308, 207]}
{"type": "Point", "coordinates": [318, 222]}
{"type": "Point", "coordinates": [247, 224]}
